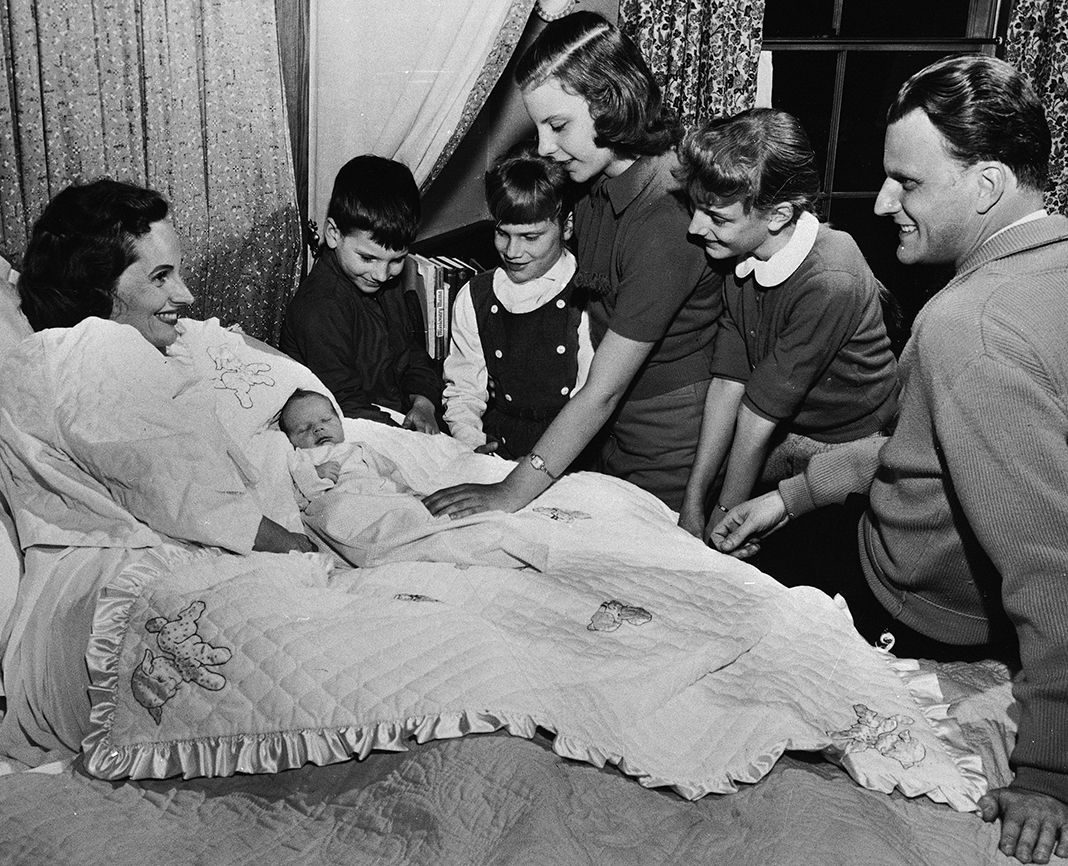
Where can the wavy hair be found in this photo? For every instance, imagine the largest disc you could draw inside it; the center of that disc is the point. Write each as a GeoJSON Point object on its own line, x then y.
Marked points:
{"type": "Point", "coordinates": [78, 248]}
{"type": "Point", "coordinates": [595, 60]}
{"type": "Point", "coordinates": [760, 157]}
{"type": "Point", "coordinates": [985, 110]}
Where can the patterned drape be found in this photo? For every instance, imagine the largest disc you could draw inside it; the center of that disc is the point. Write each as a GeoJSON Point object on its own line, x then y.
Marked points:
{"type": "Point", "coordinates": [184, 96]}
{"type": "Point", "coordinates": [1037, 45]}
{"type": "Point", "coordinates": [704, 53]}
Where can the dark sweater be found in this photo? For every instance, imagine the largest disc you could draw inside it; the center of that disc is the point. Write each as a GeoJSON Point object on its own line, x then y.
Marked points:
{"type": "Point", "coordinates": [365, 348]}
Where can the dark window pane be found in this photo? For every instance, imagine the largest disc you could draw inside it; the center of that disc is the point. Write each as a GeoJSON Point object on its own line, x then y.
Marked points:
{"type": "Point", "coordinates": [798, 19]}
{"type": "Point", "coordinates": [903, 18]}
{"type": "Point", "coordinates": [802, 83]}
{"type": "Point", "coordinates": [911, 285]}
{"type": "Point", "coordinates": [872, 80]}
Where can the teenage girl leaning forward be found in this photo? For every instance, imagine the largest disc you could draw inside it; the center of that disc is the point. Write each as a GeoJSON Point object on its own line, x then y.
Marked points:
{"type": "Point", "coordinates": [802, 363]}
{"type": "Point", "coordinates": [653, 299]}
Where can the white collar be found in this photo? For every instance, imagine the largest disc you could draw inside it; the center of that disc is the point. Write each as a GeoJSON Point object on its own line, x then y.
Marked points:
{"type": "Point", "coordinates": [524, 297]}
{"type": "Point", "coordinates": [781, 266]}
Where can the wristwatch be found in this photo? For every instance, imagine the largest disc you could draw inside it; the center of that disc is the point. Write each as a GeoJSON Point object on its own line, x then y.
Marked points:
{"type": "Point", "coordinates": [538, 463]}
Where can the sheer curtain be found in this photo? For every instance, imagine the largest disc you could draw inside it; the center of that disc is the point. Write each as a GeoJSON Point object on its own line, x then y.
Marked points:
{"type": "Point", "coordinates": [403, 80]}
{"type": "Point", "coordinates": [1037, 43]}
{"type": "Point", "coordinates": [184, 96]}
{"type": "Point", "coordinates": [704, 53]}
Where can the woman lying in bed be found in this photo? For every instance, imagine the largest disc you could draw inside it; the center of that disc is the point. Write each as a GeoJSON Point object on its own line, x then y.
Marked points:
{"type": "Point", "coordinates": [122, 429]}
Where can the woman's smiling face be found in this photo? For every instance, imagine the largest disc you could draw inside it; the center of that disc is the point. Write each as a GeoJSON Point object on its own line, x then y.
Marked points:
{"type": "Point", "coordinates": [150, 293]}
{"type": "Point", "coordinates": [566, 132]}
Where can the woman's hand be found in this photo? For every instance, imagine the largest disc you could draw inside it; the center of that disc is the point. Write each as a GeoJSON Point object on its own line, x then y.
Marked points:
{"type": "Point", "coordinates": [738, 532]}
{"type": "Point", "coordinates": [421, 416]}
{"type": "Point", "coordinates": [490, 447]}
{"type": "Point", "coordinates": [467, 499]}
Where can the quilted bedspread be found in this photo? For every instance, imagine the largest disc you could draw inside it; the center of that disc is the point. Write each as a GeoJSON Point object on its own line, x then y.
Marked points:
{"type": "Point", "coordinates": [588, 614]}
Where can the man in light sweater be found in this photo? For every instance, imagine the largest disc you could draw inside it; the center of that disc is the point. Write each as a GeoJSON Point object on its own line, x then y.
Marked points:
{"type": "Point", "coordinates": [961, 548]}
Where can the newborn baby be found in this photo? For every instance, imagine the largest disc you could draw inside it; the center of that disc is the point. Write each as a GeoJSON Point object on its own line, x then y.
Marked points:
{"type": "Point", "coordinates": [322, 459]}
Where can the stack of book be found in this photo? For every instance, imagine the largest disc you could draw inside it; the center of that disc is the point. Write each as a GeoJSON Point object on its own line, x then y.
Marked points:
{"type": "Point", "coordinates": [435, 282]}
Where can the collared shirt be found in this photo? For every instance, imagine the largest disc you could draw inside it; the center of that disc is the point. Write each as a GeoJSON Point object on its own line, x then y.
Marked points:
{"type": "Point", "coordinates": [781, 266]}
{"type": "Point", "coordinates": [647, 280]}
{"type": "Point", "coordinates": [466, 376]}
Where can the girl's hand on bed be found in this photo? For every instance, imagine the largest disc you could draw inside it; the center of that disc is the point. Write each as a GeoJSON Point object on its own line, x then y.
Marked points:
{"type": "Point", "coordinates": [421, 416]}
{"type": "Point", "coordinates": [1033, 825]}
{"type": "Point", "coordinates": [464, 500]}
{"type": "Point", "coordinates": [739, 531]}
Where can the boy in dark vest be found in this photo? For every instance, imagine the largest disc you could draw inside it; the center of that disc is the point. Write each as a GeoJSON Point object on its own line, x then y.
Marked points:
{"type": "Point", "coordinates": [520, 340]}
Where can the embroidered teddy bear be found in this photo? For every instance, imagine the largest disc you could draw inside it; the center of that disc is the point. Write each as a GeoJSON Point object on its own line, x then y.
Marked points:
{"type": "Point", "coordinates": [235, 376]}
{"type": "Point", "coordinates": [184, 657]}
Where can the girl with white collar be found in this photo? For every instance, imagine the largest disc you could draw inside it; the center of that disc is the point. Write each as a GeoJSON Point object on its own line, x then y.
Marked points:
{"type": "Point", "coordinates": [802, 360]}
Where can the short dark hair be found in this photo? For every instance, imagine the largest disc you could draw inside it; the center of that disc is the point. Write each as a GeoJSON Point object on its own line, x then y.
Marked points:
{"type": "Point", "coordinates": [379, 196]}
{"type": "Point", "coordinates": [298, 395]}
{"type": "Point", "coordinates": [985, 109]}
{"type": "Point", "coordinates": [523, 187]}
{"type": "Point", "coordinates": [760, 157]}
{"type": "Point", "coordinates": [597, 61]}
{"type": "Point", "coordinates": [79, 247]}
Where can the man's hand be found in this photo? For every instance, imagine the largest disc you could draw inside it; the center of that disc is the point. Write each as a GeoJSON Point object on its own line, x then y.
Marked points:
{"type": "Point", "coordinates": [490, 447]}
{"type": "Point", "coordinates": [738, 532]}
{"type": "Point", "coordinates": [421, 416]}
{"type": "Point", "coordinates": [331, 470]}
{"type": "Point", "coordinates": [1031, 823]}
{"type": "Point", "coordinates": [464, 500]}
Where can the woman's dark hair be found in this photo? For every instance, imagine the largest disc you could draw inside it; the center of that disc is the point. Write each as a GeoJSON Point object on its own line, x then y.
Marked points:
{"type": "Point", "coordinates": [592, 59]}
{"type": "Point", "coordinates": [760, 157]}
{"type": "Point", "coordinates": [523, 187]}
{"type": "Point", "coordinates": [985, 110]}
{"type": "Point", "coordinates": [79, 247]}
{"type": "Point", "coordinates": [376, 195]}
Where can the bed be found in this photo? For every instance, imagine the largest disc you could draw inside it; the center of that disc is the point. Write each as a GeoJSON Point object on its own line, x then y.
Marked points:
{"type": "Point", "coordinates": [580, 682]}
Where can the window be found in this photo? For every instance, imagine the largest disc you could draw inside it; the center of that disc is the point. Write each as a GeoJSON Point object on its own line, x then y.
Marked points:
{"type": "Point", "coordinates": [836, 65]}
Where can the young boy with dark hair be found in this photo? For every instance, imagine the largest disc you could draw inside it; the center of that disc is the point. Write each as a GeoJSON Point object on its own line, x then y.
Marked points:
{"type": "Point", "coordinates": [520, 340]}
{"type": "Point", "coordinates": [348, 322]}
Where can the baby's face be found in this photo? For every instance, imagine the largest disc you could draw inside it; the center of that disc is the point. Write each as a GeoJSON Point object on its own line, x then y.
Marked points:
{"type": "Point", "coordinates": [311, 421]}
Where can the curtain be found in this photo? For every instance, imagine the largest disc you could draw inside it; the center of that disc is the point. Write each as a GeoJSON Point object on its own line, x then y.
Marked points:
{"type": "Point", "coordinates": [184, 96]}
{"type": "Point", "coordinates": [704, 53]}
{"type": "Point", "coordinates": [1037, 45]}
{"type": "Point", "coordinates": [403, 80]}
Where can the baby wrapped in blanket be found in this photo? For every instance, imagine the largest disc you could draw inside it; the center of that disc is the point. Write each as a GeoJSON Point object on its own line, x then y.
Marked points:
{"type": "Point", "coordinates": [322, 460]}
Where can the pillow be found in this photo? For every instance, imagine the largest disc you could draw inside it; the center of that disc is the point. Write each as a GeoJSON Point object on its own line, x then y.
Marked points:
{"type": "Point", "coordinates": [13, 324]}
{"type": "Point", "coordinates": [13, 328]}
{"type": "Point", "coordinates": [252, 382]}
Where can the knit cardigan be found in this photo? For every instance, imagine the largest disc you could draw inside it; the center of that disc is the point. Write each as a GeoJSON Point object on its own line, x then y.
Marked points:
{"type": "Point", "coordinates": [966, 535]}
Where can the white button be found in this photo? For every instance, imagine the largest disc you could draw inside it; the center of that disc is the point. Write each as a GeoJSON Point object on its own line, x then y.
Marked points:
{"type": "Point", "coordinates": [508, 397]}
{"type": "Point", "coordinates": [560, 350]}
{"type": "Point", "coordinates": [560, 303]}
{"type": "Point", "coordinates": [564, 391]}
{"type": "Point", "coordinates": [494, 308]}
{"type": "Point", "coordinates": [499, 353]}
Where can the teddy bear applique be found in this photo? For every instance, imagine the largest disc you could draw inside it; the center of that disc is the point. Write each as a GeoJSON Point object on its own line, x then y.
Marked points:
{"type": "Point", "coordinates": [184, 657]}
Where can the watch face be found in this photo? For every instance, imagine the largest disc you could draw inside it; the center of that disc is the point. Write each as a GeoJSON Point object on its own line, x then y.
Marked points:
{"type": "Point", "coordinates": [537, 462]}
